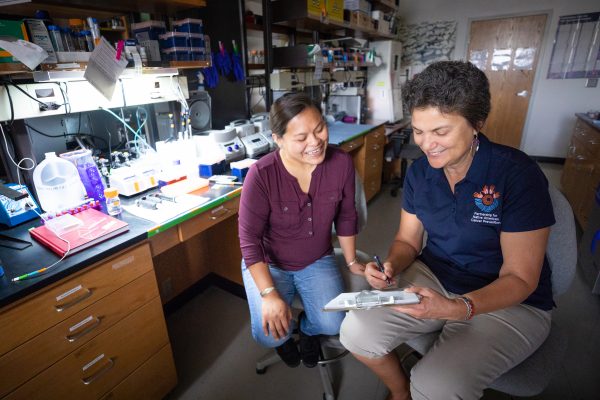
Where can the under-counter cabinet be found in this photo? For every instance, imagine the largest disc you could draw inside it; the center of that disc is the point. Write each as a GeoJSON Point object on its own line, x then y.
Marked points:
{"type": "Point", "coordinates": [99, 333]}
{"type": "Point", "coordinates": [581, 173]}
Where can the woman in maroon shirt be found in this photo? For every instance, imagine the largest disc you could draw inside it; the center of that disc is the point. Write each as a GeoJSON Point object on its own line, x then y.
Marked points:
{"type": "Point", "coordinates": [291, 198]}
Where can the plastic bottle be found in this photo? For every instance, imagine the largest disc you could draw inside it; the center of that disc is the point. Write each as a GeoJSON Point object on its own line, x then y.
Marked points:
{"type": "Point", "coordinates": [68, 39]}
{"type": "Point", "coordinates": [113, 203]}
{"type": "Point", "coordinates": [89, 41]}
{"type": "Point", "coordinates": [94, 29]}
{"type": "Point", "coordinates": [57, 184]}
{"type": "Point", "coordinates": [56, 38]}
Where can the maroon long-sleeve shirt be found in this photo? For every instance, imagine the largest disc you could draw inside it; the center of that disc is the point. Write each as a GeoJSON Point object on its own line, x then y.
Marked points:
{"type": "Point", "coordinates": [280, 224]}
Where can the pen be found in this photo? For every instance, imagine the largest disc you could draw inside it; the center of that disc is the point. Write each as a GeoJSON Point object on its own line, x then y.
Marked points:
{"type": "Point", "coordinates": [29, 275]}
{"type": "Point", "coordinates": [228, 183]}
{"type": "Point", "coordinates": [381, 269]}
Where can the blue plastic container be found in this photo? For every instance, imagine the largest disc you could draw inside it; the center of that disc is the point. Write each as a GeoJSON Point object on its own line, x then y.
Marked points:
{"type": "Point", "coordinates": [189, 25]}
{"type": "Point", "coordinates": [195, 40]}
{"type": "Point", "coordinates": [208, 170]}
{"type": "Point", "coordinates": [173, 39]}
{"type": "Point", "coordinates": [197, 54]}
{"type": "Point", "coordinates": [176, 54]}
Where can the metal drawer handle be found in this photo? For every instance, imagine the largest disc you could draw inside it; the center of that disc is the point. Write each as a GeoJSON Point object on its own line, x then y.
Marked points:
{"type": "Point", "coordinates": [70, 304]}
{"type": "Point", "coordinates": [105, 369]}
{"type": "Point", "coordinates": [222, 212]}
{"type": "Point", "coordinates": [72, 338]}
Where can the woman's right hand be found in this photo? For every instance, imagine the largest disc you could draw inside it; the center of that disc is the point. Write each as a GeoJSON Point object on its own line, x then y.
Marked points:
{"type": "Point", "coordinates": [276, 315]}
{"type": "Point", "coordinates": [378, 279]}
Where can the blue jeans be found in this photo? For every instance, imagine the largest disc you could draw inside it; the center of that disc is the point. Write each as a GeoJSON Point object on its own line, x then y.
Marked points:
{"type": "Point", "coordinates": [316, 284]}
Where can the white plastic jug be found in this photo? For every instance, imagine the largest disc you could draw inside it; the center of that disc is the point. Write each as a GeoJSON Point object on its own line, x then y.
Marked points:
{"type": "Point", "coordinates": [57, 184]}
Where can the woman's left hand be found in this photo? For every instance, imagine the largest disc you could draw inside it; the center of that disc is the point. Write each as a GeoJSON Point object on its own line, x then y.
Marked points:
{"type": "Point", "coordinates": [433, 305]}
{"type": "Point", "coordinates": [357, 268]}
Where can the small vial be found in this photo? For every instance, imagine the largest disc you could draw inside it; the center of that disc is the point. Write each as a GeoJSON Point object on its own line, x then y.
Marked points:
{"type": "Point", "coordinates": [113, 203]}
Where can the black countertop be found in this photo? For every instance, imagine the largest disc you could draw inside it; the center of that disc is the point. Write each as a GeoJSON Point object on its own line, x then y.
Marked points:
{"type": "Point", "coordinates": [19, 262]}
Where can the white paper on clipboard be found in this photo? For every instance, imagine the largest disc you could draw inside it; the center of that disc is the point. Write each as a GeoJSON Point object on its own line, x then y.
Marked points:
{"type": "Point", "coordinates": [368, 299]}
{"type": "Point", "coordinates": [104, 69]}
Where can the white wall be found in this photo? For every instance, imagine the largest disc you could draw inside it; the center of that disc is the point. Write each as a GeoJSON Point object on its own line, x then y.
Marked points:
{"type": "Point", "coordinates": [554, 101]}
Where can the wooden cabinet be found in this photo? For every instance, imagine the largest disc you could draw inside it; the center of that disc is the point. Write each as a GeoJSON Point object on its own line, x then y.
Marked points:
{"type": "Point", "coordinates": [581, 173]}
{"type": "Point", "coordinates": [206, 243]}
{"type": "Point", "coordinates": [368, 161]}
{"type": "Point", "coordinates": [83, 336]}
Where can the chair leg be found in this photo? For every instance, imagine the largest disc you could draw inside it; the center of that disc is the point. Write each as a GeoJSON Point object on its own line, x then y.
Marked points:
{"type": "Point", "coordinates": [328, 393]}
{"type": "Point", "coordinates": [267, 360]}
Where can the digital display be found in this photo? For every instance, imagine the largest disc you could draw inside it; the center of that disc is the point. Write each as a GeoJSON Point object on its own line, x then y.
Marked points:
{"type": "Point", "coordinates": [255, 140]}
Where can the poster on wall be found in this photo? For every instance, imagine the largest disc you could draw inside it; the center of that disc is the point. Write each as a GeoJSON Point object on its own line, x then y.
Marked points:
{"type": "Point", "coordinates": [576, 51]}
{"type": "Point", "coordinates": [427, 42]}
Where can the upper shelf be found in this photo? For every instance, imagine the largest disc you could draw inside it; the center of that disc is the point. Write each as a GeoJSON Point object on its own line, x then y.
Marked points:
{"type": "Point", "coordinates": [103, 9]}
{"type": "Point", "coordinates": [388, 5]}
{"type": "Point", "coordinates": [294, 14]}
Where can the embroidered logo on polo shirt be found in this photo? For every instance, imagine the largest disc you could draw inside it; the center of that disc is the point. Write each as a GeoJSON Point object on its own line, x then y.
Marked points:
{"type": "Point", "coordinates": [487, 201]}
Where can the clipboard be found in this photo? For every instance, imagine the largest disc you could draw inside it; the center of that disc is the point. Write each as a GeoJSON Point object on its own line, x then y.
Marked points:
{"type": "Point", "coordinates": [367, 299]}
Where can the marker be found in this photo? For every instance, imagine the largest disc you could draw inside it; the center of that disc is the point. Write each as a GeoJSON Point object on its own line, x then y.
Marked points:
{"type": "Point", "coordinates": [29, 275]}
{"type": "Point", "coordinates": [381, 269]}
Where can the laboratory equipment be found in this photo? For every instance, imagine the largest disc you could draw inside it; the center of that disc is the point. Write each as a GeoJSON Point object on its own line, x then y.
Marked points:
{"type": "Point", "coordinates": [240, 168]}
{"type": "Point", "coordinates": [383, 87]}
{"type": "Point", "coordinates": [230, 144]}
{"type": "Point", "coordinates": [256, 145]}
{"type": "Point", "coordinates": [57, 183]}
{"type": "Point", "coordinates": [268, 135]}
{"type": "Point", "coordinates": [17, 209]}
{"type": "Point", "coordinates": [261, 122]}
{"type": "Point", "coordinates": [243, 127]}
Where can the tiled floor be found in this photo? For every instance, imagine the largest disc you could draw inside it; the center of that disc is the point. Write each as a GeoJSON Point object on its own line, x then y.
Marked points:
{"type": "Point", "coordinates": [215, 354]}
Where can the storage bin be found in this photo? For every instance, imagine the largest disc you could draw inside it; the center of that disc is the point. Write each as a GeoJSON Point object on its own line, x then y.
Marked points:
{"type": "Point", "coordinates": [315, 7]}
{"type": "Point", "coordinates": [197, 54]}
{"type": "Point", "coordinates": [148, 30]}
{"type": "Point", "coordinates": [176, 54]}
{"type": "Point", "coordinates": [195, 40]}
{"type": "Point", "coordinates": [335, 10]}
{"type": "Point", "coordinates": [189, 25]}
{"type": "Point", "coordinates": [173, 39]}
{"type": "Point", "coordinates": [358, 5]}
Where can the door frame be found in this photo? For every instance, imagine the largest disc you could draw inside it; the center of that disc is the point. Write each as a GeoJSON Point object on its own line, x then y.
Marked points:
{"type": "Point", "coordinates": [543, 45]}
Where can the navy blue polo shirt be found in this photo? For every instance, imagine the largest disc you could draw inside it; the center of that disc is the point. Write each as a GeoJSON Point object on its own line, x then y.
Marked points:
{"type": "Point", "coordinates": [503, 191]}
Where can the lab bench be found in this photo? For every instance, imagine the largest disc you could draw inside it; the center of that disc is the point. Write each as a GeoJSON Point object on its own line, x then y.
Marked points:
{"type": "Point", "coordinates": [93, 326]}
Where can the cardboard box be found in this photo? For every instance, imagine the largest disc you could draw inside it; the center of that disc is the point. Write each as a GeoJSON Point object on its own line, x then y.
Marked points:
{"type": "Point", "coordinates": [384, 26]}
{"type": "Point", "coordinates": [14, 28]}
{"type": "Point", "coordinates": [361, 20]}
{"type": "Point", "coordinates": [358, 5]}
{"type": "Point", "coordinates": [335, 10]}
{"type": "Point", "coordinates": [315, 7]}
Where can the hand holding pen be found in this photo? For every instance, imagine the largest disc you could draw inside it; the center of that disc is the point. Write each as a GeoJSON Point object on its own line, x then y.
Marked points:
{"type": "Point", "coordinates": [381, 269]}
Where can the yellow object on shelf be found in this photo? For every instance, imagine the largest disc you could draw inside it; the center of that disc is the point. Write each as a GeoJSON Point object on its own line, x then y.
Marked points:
{"type": "Point", "coordinates": [316, 7]}
{"type": "Point", "coordinates": [335, 10]}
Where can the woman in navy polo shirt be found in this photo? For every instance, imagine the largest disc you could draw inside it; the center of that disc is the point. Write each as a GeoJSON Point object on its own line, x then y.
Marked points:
{"type": "Point", "coordinates": [483, 277]}
{"type": "Point", "coordinates": [290, 199]}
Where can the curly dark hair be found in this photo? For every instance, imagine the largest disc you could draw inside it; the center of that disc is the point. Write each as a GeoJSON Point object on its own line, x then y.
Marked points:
{"type": "Point", "coordinates": [453, 87]}
{"type": "Point", "coordinates": [287, 107]}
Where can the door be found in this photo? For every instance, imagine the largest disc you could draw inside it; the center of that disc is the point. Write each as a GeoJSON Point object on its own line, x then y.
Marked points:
{"type": "Point", "coordinates": [507, 50]}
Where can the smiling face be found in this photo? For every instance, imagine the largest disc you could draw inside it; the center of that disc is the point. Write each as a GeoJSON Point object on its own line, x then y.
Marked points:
{"type": "Point", "coordinates": [446, 139]}
{"type": "Point", "coordinates": [305, 139]}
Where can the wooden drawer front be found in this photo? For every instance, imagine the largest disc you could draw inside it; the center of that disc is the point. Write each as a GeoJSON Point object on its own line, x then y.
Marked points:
{"type": "Point", "coordinates": [46, 309]}
{"type": "Point", "coordinates": [164, 241]}
{"type": "Point", "coordinates": [152, 381]}
{"type": "Point", "coordinates": [373, 165]}
{"type": "Point", "coordinates": [201, 222]}
{"type": "Point", "coordinates": [588, 136]}
{"type": "Point", "coordinates": [99, 365]}
{"type": "Point", "coordinates": [376, 138]}
{"type": "Point", "coordinates": [42, 351]}
{"type": "Point", "coordinates": [352, 144]}
{"type": "Point", "coordinates": [372, 187]}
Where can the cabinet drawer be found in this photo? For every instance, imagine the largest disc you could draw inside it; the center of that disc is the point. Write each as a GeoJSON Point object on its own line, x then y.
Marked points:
{"type": "Point", "coordinates": [164, 241]}
{"type": "Point", "coordinates": [68, 297]}
{"type": "Point", "coordinates": [42, 351]}
{"type": "Point", "coordinates": [201, 222]}
{"type": "Point", "coordinates": [99, 365]}
{"type": "Point", "coordinates": [152, 381]}
{"type": "Point", "coordinates": [352, 144]}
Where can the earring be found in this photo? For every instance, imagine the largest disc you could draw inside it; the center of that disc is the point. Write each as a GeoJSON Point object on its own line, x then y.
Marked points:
{"type": "Point", "coordinates": [475, 143]}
